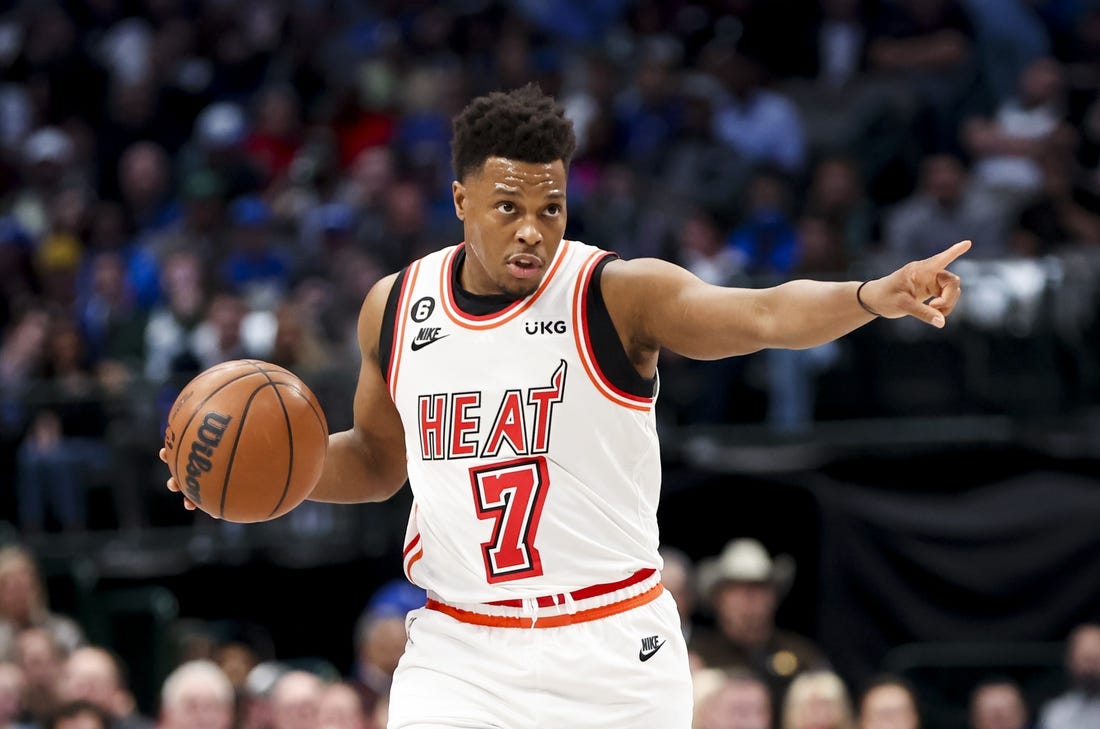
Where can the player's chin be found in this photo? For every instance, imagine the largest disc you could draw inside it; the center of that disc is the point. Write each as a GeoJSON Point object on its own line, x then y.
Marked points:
{"type": "Point", "coordinates": [520, 288]}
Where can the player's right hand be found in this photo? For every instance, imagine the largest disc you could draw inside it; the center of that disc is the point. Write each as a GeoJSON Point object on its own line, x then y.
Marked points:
{"type": "Point", "coordinates": [173, 486]}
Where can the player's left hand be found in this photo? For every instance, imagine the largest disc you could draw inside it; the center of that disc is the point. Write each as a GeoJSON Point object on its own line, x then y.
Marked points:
{"type": "Point", "coordinates": [173, 485]}
{"type": "Point", "coordinates": [923, 289]}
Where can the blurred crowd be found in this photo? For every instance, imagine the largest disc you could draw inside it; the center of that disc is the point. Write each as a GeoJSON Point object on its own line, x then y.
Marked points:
{"type": "Point", "coordinates": [749, 672]}
{"type": "Point", "coordinates": [184, 182]}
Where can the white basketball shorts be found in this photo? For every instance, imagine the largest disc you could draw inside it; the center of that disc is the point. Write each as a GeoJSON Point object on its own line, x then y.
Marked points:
{"type": "Point", "coordinates": [622, 665]}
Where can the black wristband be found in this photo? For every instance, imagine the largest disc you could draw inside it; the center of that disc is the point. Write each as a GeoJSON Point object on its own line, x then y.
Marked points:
{"type": "Point", "coordinates": [859, 298]}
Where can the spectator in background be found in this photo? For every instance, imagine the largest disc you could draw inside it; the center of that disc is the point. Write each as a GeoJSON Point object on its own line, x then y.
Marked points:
{"type": "Point", "coordinates": [239, 647]}
{"type": "Point", "coordinates": [1078, 707]}
{"type": "Point", "coordinates": [296, 700]}
{"type": "Point", "coordinates": [254, 266]}
{"type": "Point", "coordinates": [40, 657]}
{"type": "Point", "coordinates": [817, 700]}
{"type": "Point", "coordinates": [217, 145]}
{"type": "Point", "coordinates": [59, 250]}
{"type": "Point", "coordinates": [341, 707]}
{"type": "Point", "coordinates": [22, 354]}
{"type": "Point", "coordinates": [731, 699]}
{"type": "Point", "coordinates": [363, 117]}
{"type": "Point", "coordinates": [145, 187]}
{"type": "Point", "coordinates": [363, 190]}
{"type": "Point", "coordinates": [998, 703]}
{"type": "Point", "coordinates": [254, 696]}
{"type": "Point", "coordinates": [820, 248]}
{"type": "Point", "coordinates": [197, 695]}
{"type": "Point", "coordinates": [945, 205]}
{"type": "Point", "coordinates": [698, 169]}
{"type": "Point", "coordinates": [1007, 146]}
{"type": "Point", "coordinates": [701, 248]}
{"type": "Point", "coordinates": [837, 192]}
{"type": "Point", "coordinates": [48, 158]}
{"type": "Point", "coordinates": [64, 449]}
{"type": "Point", "coordinates": [79, 715]}
{"type": "Point", "coordinates": [614, 210]}
{"type": "Point", "coordinates": [888, 702]}
{"type": "Point", "coordinates": [95, 675]}
{"type": "Point", "coordinates": [169, 345]}
{"type": "Point", "coordinates": [110, 233]}
{"type": "Point", "coordinates": [380, 637]}
{"type": "Point", "coordinates": [201, 226]}
{"type": "Point", "coordinates": [133, 112]}
{"type": "Point", "coordinates": [928, 45]}
{"type": "Point", "coordinates": [761, 124]}
{"type": "Point", "coordinates": [766, 240]}
{"type": "Point", "coordinates": [1010, 36]}
{"type": "Point", "coordinates": [24, 604]}
{"type": "Point", "coordinates": [1064, 215]}
{"type": "Point", "coordinates": [380, 643]}
{"type": "Point", "coordinates": [230, 331]}
{"type": "Point", "coordinates": [20, 285]}
{"type": "Point", "coordinates": [12, 687]}
{"type": "Point", "coordinates": [408, 227]}
{"type": "Point", "coordinates": [111, 322]}
{"type": "Point", "coordinates": [743, 587]}
{"type": "Point", "coordinates": [649, 112]}
{"type": "Point", "coordinates": [275, 135]}
{"type": "Point", "coordinates": [843, 106]}
{"type": "Point", "coordinates": [298, 345]}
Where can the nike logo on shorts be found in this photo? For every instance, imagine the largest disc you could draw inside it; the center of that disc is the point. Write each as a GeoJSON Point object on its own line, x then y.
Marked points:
{"type": "Point", "coordinates": [649, 648]}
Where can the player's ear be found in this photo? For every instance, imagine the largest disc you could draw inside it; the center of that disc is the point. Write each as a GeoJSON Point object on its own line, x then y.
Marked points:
{"type": "Point", "coordinates": [458, 191]}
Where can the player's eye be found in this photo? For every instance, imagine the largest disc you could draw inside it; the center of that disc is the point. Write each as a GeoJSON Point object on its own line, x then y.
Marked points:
{"type": "Point", "coordinates": [553, 210]}
{"type": "Point", "coordinates": [506, 207]}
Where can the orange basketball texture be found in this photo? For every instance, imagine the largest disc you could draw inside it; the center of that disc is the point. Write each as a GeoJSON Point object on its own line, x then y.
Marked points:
{"type": "Point", "coordinates": [246, 440]}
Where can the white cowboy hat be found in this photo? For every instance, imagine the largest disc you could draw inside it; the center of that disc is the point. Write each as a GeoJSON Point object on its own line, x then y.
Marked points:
{"type": "Point", "coordinates": [746, 560]}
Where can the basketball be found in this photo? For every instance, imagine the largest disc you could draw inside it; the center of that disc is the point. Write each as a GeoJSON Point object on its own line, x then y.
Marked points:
{"type": "Point", "coordinates": [246, 440]}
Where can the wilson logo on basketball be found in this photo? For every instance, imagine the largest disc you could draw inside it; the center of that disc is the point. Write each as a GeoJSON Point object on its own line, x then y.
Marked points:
{"type": "Point", "coordinates": [208, 437]}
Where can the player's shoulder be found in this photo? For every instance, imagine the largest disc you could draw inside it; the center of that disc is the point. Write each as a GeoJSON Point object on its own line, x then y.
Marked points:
{"type": "Point", "coordinates": [380, 291]}
{"type": "Point", "coordinates": [638, 271]}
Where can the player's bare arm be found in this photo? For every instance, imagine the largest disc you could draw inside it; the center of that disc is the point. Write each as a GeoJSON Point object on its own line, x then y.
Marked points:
{"type": "Point", "coordinates": [656, 304]}
{"type": "Point", "coordinates": [367, 462]}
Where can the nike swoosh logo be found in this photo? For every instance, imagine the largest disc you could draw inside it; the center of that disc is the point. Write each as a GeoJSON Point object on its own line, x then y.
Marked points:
{"type": "Point", "coordinates": [644, 655]}
{"type": "Point", "coordinates": [425, 342]}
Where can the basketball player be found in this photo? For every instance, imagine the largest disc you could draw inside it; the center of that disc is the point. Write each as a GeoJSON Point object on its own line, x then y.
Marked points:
{"type": "Point", "coordinates": [512, 379]}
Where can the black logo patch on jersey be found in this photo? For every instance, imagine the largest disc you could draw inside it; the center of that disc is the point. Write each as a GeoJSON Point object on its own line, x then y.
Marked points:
{"type": "Point", "coordinates": [422, 309]}
{"type": "Point", "coordinates": [649, 648]}
{"type": "Point", "coordinates": [426, 336]}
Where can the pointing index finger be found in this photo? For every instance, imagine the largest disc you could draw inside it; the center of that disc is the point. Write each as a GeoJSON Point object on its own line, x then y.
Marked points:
{"type": "Point", "coordinates": [944, 258]}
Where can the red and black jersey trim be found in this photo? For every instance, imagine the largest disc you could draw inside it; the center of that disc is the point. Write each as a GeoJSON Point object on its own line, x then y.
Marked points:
{"type": "Point", "coordinates": [607, 347]}
{"type": "Point", "coordinates": [389, 319]}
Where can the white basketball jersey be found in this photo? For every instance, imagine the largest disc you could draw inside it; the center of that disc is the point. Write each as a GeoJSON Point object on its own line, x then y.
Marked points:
{"type": "Point", "coordinates": [532, 474]}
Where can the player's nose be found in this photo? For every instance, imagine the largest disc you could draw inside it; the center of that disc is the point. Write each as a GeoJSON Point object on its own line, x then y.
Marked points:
{"type": "Point", "coordinates": [528, 233]}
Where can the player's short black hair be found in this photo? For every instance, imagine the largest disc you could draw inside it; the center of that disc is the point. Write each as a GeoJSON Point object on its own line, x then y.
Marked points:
{"type": "Point", "coordinates": [523, 124]}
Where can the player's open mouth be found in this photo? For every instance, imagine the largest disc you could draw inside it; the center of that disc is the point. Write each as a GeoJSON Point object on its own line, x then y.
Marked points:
{"type": "Point", "coordinates": [524, 266]}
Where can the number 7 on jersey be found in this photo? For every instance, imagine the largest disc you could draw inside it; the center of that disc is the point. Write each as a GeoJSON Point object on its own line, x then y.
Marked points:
{"type": "Point", "coordinates": [511, 494]}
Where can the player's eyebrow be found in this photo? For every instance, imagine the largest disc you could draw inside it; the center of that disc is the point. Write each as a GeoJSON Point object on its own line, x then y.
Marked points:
{"type": "Point", "coordinates": [509, 190]}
